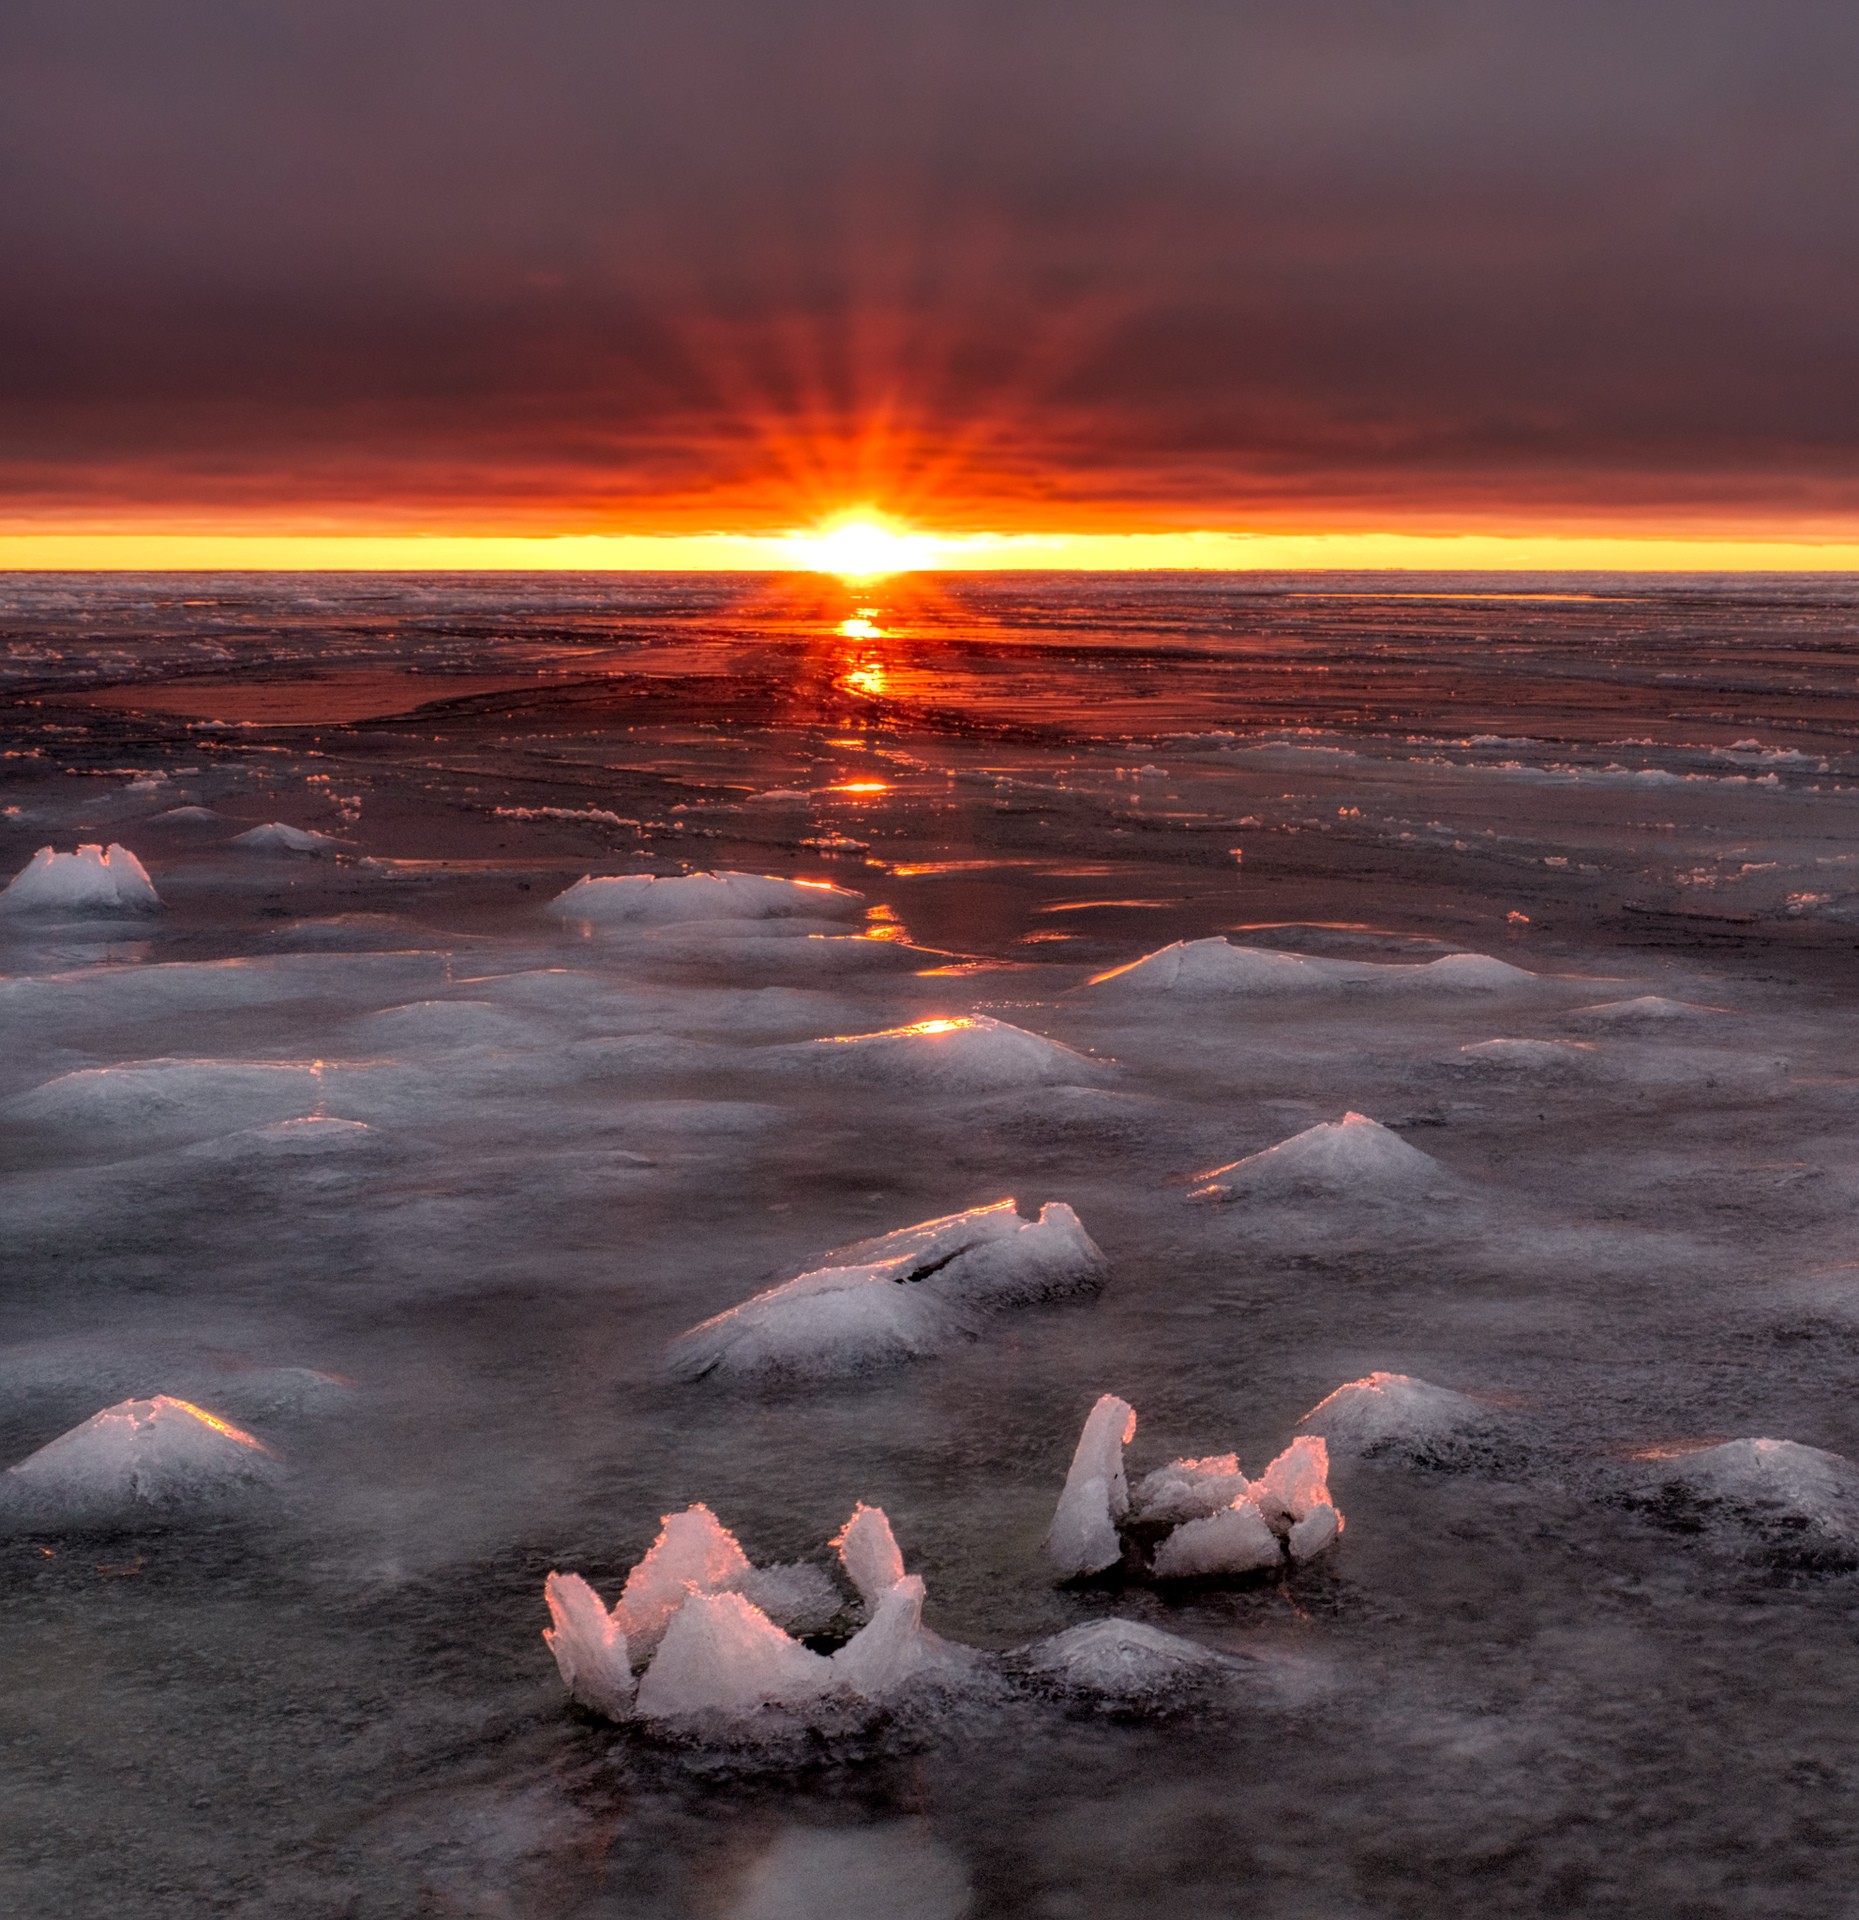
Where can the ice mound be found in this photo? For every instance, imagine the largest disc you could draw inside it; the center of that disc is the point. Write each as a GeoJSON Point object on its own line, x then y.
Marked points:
{"type": "Point", "coordinates": [901, 1297]}
{"type": "Point", "coordinates": [186, 817]}
{"type": "Point", "coordinates": [1394, 1415]}
{"type": "Point", "coordinates": [210, 1096]}
{"type": "Point", "coordinates": [447, 1024]}
{"type": "Point", "coordinates": [1352, 1155]}
{"type": "Point", "coordinates": [1123, 1663]}
{"type": "Point", "coordinates": [1216, 966]}
{"type": "Point", "coordinates": [310, 1136]}
{"type": "Point", "coordinates": [654, 900]}
{"type": "Point", "coordinates": [139, 1456]}
{"type": "Point", "coordinates": [274, 837]}
{"type": "Point", "coordinates": [1792, 1505]}
{"type": "Point", "coordinates": [89, 882]}
{"type": "Point", "coordinates": [1645, 1010]}
{"type": "Point", "coordinates": [966, 1053]}
{"type": "Point", "coordinates": [1536, 1059]}
{"type": "Point", "coordinates": [721, 1656]}
{"type": "Point", "coordinates": [1218, 1522]}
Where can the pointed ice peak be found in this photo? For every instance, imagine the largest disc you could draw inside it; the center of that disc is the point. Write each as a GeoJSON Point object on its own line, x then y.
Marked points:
{"type": "Point", "coordinates": [1295, 1483]}
{"type": "Point", "coordinates": [90, 882]}
{"type": "Point", "coordinates": [589, 1647]}
{"type": "Point", "coordinates": [1353, 1154]}
{"type": "Point", "coordinates": [1083, 1537]}
{"type": "Point", "coordinates": [694, 1553]}
{"type": "Point", "coordinates": [721, 1655]}
{"type": "Point", "coordinates": [869, 1553]}
{"type": "Point", "coordinates": [894, 1646]}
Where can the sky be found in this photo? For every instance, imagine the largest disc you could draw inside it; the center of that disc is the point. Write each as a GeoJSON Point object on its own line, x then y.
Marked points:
{"type": "Point", "coordinates": [1180, 281]}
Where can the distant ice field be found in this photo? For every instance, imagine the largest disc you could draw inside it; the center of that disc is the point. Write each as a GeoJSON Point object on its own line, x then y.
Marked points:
{"type": "Point", "coordinates": [530, 1058]}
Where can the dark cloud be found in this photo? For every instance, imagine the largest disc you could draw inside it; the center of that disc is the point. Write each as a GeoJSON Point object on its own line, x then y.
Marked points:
{"type": "Point", "coordinates": [706, 261]}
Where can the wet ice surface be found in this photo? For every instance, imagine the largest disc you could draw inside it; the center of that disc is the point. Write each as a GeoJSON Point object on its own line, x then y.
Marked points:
{"type": "Point", "coordinates": [358, 1147]}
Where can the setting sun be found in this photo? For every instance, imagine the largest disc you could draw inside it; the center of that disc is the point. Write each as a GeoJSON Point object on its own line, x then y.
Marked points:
{"type": "Point", "coordinates": [862, 549]}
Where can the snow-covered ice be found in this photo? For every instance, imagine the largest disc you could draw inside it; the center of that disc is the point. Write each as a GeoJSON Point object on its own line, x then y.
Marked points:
{"type": "Point", "coordinates": [155, 1456]}
{"type": "Point", "coordinates": [93, 881]}
{"type": "Point", "coordinates": [275, 837]}
{"type": "Point", "coordinates": [1795, 1505]}
{"type": "Point", "coordinates": [651, 900]}
{"type": "Point", "coordinates": [1353, 1155]}
{"type": "Point", "coordinates": [1215, 966]}
{"type": "Point", "coordinates": [1126, 1663]}
{"type": "Point", "coordinates": [903, 1296]}
{"type": "Point", "coordinates": [1395, 1415]}
{"type": "Point", "coordinates": [950, 1053]}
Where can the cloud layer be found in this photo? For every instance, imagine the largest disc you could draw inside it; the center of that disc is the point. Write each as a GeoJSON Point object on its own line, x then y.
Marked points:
{"type": "Point", "coordinates": [721, 263]}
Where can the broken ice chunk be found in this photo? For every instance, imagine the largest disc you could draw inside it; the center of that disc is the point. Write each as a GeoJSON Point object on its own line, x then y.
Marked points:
{"type": "Point", "coordinates": [89, 882]}
{"type": "Point", "coordinates": [1235, 1540]}
{"type": "Point", "coordinates": [900, 1297]}
{"type": "Point", "coordinates": [589, 1647]}
{"type": "Point", "coordinates": [1316, 1531]}
{"type": "Point", "coordinates": [1352, 1155]}
{"type": "Point", "coordinates": [722, 1655]}
{"type": "Point", "coordinates": [1190, 1489]}
{"type": "Point", "coordinates": [869, 1553]}
{"type": "Point", "coordinates": [1295, 1483]}
{"type": "Point", "coordinates": [1083, 1537]}
{"type": "Point", "coordinates": [160, 1453]}
{"type": "Point", "coordinates": [645, 899]}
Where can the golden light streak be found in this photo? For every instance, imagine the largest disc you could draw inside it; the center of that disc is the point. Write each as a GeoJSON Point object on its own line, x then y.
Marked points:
{"type": "Point", "coordinates": [117, 549]}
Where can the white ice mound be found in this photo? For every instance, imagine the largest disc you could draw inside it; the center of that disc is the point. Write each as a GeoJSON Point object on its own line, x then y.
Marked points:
{"type": "Point", "coordinates": [1644, 1010]}
{"type": "Point", "coordinates": [90, 882]}
{"type": "Point", "coordinates": [1529, 1059]}
{"type": "Point", "coordinates": [1216, 966]}
{"type": "Point", "coordinates": [656, 900]}
{"type": "Point", "coordinates": [1352, 1155]}
{"type": "Point", "coordinates": [589, 1646]}
{"type": "Point", "coordinates": [1083, 1538]}
{"type": "Point", "coordinates": [963, 1053]}
{"type": "Point", "coordinates": [1124, 1662]}
{"type": "Point", "coordinates": [274, 837]}
{"type": "Point", "coordinates": [1395, 1413]}
{"type": "Point", "coordinates": [149, 1096]}
{"type": "Point", "coordinates": [159, 1453]}
{"type": "Point", "coordinates": [1800, 1504]}
{"type": "Point", "coordinates": [907, 1295]}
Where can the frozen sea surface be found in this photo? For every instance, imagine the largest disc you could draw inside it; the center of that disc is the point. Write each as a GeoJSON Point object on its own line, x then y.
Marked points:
{"type": "Point", "coordinates": [361, 1147]}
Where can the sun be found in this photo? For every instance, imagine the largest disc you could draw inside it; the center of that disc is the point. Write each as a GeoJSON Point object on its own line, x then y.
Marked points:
{"type": "Point", "coordinates": [861, 547]}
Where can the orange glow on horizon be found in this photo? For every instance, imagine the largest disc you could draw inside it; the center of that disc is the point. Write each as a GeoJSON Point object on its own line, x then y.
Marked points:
{"type": "Point", "coordinates": [862, 546]}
